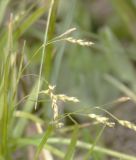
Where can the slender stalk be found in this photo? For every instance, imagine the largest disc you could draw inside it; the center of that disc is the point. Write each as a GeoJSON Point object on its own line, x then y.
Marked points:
{"type": "Point", "coordinates": [79, 144]}
{"type": "Point", "coordinates": [44, 50]}
{"type": "Point", "coordinates": [87, 146]}
{"type": "Point", "coordinates": [47, 68]}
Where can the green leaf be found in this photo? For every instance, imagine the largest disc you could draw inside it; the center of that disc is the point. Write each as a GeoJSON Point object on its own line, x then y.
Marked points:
{"type": "Point", "coordinates": [28, 106]}
{"type": "Point", "coordinates": [117, 57]}
{"type": "Point", "coordinates": [3, 6]}
{"type": "Point", "coordinates": [89, 153]}
{"type": "Point", "coordinates": [127, 14]}
{"type": "Point", "coordinates": [71, 148]}
{"type": "Point", "coordinates": [43, 141]}
{"type": "Point", "coordinates": [30, 20]}
{"type": "Point", "coordinates": [121, 86]}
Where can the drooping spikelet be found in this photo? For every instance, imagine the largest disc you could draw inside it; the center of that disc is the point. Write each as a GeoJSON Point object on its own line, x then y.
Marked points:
{"type": "Point", "coordinates": [54, 100]}
{"type": "Point", "coordinates": [102, 120]}
{"type": "Point", "coordinates": [127, 124]}
{"type": "Point", "coordinates": [65, 98]}
{"type": "Point", "coordinates": [79, 41]}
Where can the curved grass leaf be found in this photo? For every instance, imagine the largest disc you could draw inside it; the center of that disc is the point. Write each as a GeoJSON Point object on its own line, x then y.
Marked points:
{"type": "Point", "coordinates": [43, 141]}
{"type": "Point", "coordinates": [71, 148]}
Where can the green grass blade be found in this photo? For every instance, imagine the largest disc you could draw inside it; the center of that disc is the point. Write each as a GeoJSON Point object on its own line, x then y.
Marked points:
{"type": "Point", "coordinates": [22, 142]}
{"type": "Point", "coordinates": [87, 156]}
{"type": "Point", "coordinates": [25, 22]}
{"type": "Point", "coordinates": [121, 87]}
{"type": "Point", "coordinates": [17, 77]}
{"type": "Point", "coordinates": [3, 6]}
{"type": "Point", "coordinates": [79, 144]}
{"type": "Point", "coordinates": [43, 141]}
{"type": "Point", "coordinates": [50, 48]}
{"type": "Point", "coordinates": [71, 148]}
{"type": "Point", "coordinates": [98, 149]}
{"type": "Point", "coordinates": [5, 112]}
{"type": "Point", "coordinates": [5, 93]}
{"type": "Point", "coordinates": [30, 20]}
{"type": "Point", "coordinates": [27, 115]}
{"type": "Point", "coordinates": [44, 53]}
{"type": "Point", "coordinates": [117, 56]}
{"type": "Point", "coordinates": [127, 13]}
{"type": "Point", "coordinates": [28, 106]}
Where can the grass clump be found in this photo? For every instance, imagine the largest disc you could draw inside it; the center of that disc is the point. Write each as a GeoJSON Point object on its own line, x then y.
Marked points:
{"type": "Point", "coordinates": [30, 85]}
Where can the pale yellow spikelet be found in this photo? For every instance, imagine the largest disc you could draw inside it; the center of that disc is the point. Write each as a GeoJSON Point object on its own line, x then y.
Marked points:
{"type": "Point", "coordinates": [53, 97]}
{"type": "Point", "coordinates": [79, 41]}
{"type": "Point", "coordinates": [127, 124]}
{"type": "Point", "coordinates": [64, 98]}
{"type": "Point", "coordinates": [55, 110]}
{"type": "Point", "coordinates": [124, 123]}
{"type": "Point", "coordinates": [54, 100]}
{"type": "Point", "coordinates": [51, 88]}
{"type": "Point", "coordinates": [123, 99]}
{"type": "Point", "coordinates": [102, 120]}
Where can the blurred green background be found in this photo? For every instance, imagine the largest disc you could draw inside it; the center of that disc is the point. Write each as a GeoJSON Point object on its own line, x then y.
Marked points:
{"type": "Point", "coordinates": [96, 75]}
{"type": "Point", "coordinates": [82, 70]}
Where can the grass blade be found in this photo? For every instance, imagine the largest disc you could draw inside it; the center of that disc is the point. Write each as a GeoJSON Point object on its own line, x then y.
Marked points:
{"type": "Point", "coordinates": [3, 5]}
{"type": "Point", "coordinates": [71, 148]}
{"type": "Point", "coordinates": [79, 144]}
{"type": "Point", "coordinates": [43, 141]}
{"type": "Point", "coordinates": [49, 49]}
{"type": "Point", "coordinates": [27, 115]}
{"type": "Point", "coordinates": [121, 87]}
{"type": "Point", "coordinates": [126, 12]}
{"type": "Point", "coordinates": [21, 142]}
{"type": "Point", "coordinates": [87, 157]}
{"type": "Point", "coordinates": [30, 20]}
{"type": "Point", "coordinates": [87, 146]}
{"type": "Point", "coordinates": [5, 93]}
{"type": "Point", "coordinates": [28, 106]}
{"type": "Point", "coordinates": [44, 53]}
